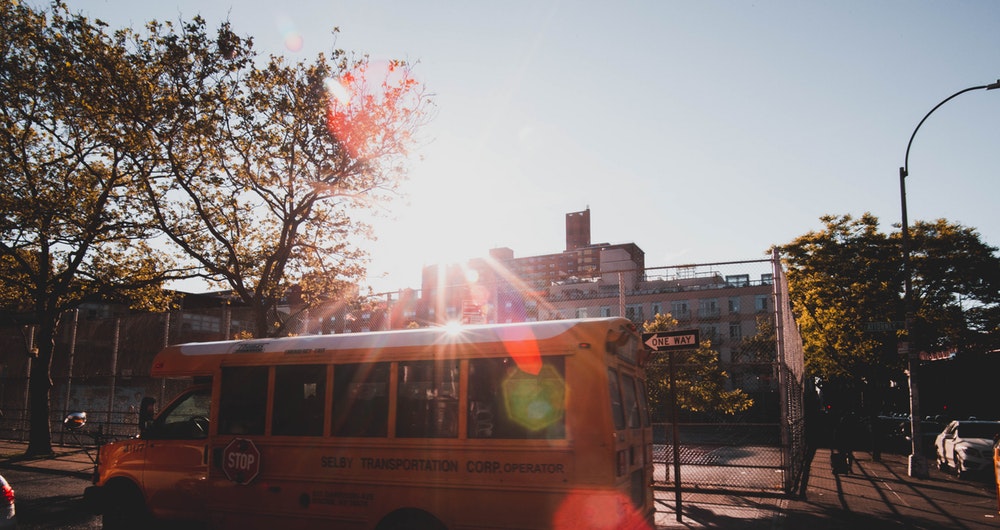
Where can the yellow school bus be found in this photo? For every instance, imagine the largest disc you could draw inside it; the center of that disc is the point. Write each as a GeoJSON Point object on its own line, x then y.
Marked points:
{"type": "Point", "coordinates": [532, 425]}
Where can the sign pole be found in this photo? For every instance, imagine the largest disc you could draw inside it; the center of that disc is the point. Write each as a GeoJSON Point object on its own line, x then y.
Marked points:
{"type": "Point", "coordinates": [671, 342]}
{"type": "Point", "coordinates": [676, 437]}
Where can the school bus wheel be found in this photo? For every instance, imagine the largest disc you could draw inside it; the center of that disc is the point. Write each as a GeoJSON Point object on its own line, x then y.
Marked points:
{"type": "Point", "coordinates": [124, 507]}
{"type": "Point", "coordinates": [410, 519]}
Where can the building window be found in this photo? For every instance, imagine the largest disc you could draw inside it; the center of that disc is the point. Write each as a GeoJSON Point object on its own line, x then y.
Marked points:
{"type": "Point", "coordinates": [581, 312]}
{"type": "Point", "coordinates": [734, 305]}
{"type": "Point", "coordinates": [633, 312]}
{"type": "Point", "coordinates": [735, 331]}
{"type": "Point", "coordinates": [767, 279]}
{"type": "Point", "coordinates": [679, 309]}
{"type": "Point", "coordinates": [605, 311]}
{"type": "Point", "coordinates": [656, 309]}
{"type": "Point", "coordinates": [760, 303]}
{"type": "Point", "coordinates": [708, 307]}
{"type": "Point", "coordinates": [738, 280]}
{"type": "Point", "coordinates": [710, 332]}
{"type": "Point", "coordinates": [195, 322]}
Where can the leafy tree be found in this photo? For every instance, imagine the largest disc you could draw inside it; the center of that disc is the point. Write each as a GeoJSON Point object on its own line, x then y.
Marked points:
{"type": "Point", "coordinates": [956, 288]}
{"type": "Point", "coordinates": [71, 226]}
{"type": "Point", "coordinates": [849, 274]}
{"type": "Point", "coordinates": [266, 183]}
{"type": "Point", "coordinates": [840, 278]}
{"type": "Point", "coordinates": [701, 383]}
{"type": "Point", "coordinates": [761, 347]}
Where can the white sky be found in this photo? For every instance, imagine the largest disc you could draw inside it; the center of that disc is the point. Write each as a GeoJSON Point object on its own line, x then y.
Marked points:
{"type": "Point", "coordinates": [700, 130]}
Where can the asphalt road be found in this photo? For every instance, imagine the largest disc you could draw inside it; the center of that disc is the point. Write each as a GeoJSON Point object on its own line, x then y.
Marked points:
{"type": "Point", "coordinates": [50, 501]}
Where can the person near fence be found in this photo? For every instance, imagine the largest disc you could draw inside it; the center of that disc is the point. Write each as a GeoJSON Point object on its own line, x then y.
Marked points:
{"type": "Point", "coordinates": [844, 439]}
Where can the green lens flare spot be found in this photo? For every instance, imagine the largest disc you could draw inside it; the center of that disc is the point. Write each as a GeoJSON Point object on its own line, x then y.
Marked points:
{"type": "Point", "coordinates": [535, 401]}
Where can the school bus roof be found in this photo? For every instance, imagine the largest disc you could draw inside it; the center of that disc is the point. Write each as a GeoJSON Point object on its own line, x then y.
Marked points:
{"type": "Point", "coordinates": [202, 358]}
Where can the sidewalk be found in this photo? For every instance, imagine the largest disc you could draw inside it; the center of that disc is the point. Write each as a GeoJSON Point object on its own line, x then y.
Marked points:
{"type": "Point", "coordinates": [68, 460]}
{"type": "Point", "coordinates": [875, 495]}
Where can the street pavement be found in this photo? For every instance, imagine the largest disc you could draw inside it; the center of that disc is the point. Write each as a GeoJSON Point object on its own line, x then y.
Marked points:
{"type": "Point", "coordinates": [875, 495]}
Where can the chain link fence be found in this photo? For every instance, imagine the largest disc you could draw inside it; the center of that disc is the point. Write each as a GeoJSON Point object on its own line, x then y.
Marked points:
{"type": "Point", "coordinates": [102, 361]}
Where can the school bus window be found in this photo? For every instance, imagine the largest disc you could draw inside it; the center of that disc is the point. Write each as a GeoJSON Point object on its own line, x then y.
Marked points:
{"type": "Point", "coordinates": [361, 400]}
{"type": "Point", "coordinates": [242, 400]}
{"type": "Point", "coordinates": [508, 403]}
{"type": "Point", "coordinates": [427, 405]}
{"type": "Point", "coordinates": [630, 402]}
{"type": "Point", "coordinates": [187, 419]}
{"type": "Point", "coordinates": [299, 393]}
{"type": "Point", "coordinates": [617, 411]}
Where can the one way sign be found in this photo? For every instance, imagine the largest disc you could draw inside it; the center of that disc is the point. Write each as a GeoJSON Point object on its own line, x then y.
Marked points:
{"type": "Point", "coordinates": [685, 339]}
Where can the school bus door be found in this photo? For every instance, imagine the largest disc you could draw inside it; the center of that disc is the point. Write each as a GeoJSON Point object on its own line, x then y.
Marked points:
{"type": "Point", "coordinates": [176, 457]}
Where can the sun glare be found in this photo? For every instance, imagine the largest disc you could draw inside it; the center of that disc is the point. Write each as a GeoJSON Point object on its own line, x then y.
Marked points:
{"type": "Point", "coordinates": [337, 90]}
{"type": "Point", "coordinates": [453, 327]}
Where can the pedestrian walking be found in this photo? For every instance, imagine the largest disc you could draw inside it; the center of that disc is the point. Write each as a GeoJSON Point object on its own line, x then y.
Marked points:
{"type": "Point", "coordinates": [844, 437]}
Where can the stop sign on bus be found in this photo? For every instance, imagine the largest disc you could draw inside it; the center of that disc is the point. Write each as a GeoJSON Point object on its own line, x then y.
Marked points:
{"type": "Point", "coordinates": [241, 461]}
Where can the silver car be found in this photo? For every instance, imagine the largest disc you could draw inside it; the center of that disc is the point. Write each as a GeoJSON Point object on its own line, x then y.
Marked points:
{"type": "Point", "coordinates": [966, 446]}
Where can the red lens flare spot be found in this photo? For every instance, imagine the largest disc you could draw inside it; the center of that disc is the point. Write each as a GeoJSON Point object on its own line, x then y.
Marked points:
{"type": "Point", "coordinates": [598, 510]}
{"type": "Point", "coordinates": [367, 105]}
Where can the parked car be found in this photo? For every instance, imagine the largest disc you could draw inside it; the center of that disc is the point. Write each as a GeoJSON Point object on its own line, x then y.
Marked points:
{"type": "Point", "coordinates": [966, 446]}
{"type": "Point", "coordinates": [996, 469]}
{"type": "Point", "coordinates": [896, 430]}
{"type": "Point", "coordinates": [7, 518]}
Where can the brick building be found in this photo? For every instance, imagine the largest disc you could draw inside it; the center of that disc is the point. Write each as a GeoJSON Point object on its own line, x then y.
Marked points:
{"type": "Point", "coordinates": [724, 301]}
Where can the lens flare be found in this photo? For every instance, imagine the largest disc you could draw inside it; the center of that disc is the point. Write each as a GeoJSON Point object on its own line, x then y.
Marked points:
{"type": "Point", "coordinates": [336, 89]}
{"type": "Point", "coordinates": [535, 401]}
{"type": "Point", "coordinates": [453, 327]}
{"type": "Point", "coordinates": [377, 111]}
{"type": "Point", "coordinates": [598, 510]}
{"type": "Point", "coordinates": [293, 41]}
{"type": "Point", "coordinates": [292, 37]}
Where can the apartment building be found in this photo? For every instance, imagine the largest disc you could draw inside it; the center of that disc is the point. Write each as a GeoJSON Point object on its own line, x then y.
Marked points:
{"type": "Point", "coordinates": [724, 301]}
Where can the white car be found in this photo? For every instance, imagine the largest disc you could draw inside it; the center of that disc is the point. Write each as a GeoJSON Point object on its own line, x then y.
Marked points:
{"type": "Point", "coordinates": [966, 446]}
{"type": "Point", "coordinates": [7, 519]}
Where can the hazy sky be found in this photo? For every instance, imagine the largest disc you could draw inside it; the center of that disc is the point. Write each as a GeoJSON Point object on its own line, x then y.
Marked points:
{"type": "Point", "coordinates": [700, 130]}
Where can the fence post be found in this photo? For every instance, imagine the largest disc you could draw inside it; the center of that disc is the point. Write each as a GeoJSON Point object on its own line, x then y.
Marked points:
{"type": "Point", "coordinates": [788, 452]}
{"type": "Point", "coordinates": [227, 322]}
{"type": "Point", "coordinates": [27, 383]}
{"type": "Point", "coordinates": [166, 342]}
{"type": "Point", "coordinates": [74, 322]}
{"type": "Point", "coordinates": [621, 294]}
{"type": "Point", "coordinates": [114, 369]}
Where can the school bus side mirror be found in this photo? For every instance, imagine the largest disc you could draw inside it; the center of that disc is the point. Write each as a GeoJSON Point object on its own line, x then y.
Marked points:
{"type": "Point", "coordinates": [75, 421]}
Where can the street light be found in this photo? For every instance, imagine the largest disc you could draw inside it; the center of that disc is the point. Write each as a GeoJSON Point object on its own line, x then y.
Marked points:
{"type": "Point", "coordinates": [917, 465]}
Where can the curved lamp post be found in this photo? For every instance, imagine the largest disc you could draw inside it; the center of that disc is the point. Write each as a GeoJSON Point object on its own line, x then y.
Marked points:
{"type": "Point", "coordinates": [917, 465]}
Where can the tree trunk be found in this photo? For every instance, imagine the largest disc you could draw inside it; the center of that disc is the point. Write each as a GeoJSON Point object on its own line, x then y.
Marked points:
{"type": "Point", "coordinates": [39, 385]}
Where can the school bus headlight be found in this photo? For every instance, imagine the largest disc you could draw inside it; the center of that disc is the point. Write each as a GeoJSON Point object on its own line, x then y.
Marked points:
{"type": "Point", "coordinates": [535, 401]}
